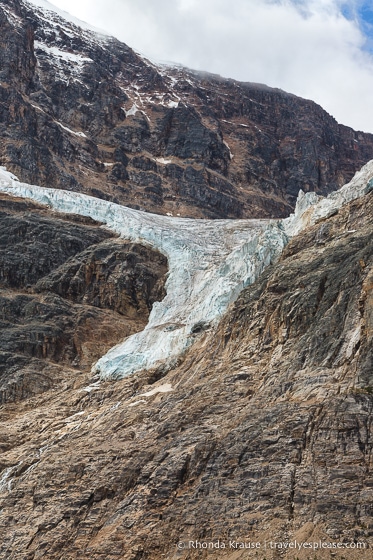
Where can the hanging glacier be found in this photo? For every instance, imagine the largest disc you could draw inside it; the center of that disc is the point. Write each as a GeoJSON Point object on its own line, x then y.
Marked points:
{"type": "Point", "coordinates": [210, 262]}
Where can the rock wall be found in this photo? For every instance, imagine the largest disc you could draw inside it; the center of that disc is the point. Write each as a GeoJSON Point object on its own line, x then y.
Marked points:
{"type": "Point", "coordinates": [83, 112]}
{"type": "Point", "coordinates": [69, 291]}
{"type": "Point", "coordinates": [263, 433]}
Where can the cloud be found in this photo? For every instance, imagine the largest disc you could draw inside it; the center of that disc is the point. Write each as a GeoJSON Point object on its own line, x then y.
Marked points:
{"type": "Point", "coordinates": [313, 48]}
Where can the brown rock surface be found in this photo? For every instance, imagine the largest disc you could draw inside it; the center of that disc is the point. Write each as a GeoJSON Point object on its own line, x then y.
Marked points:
{"type": "Point", "coordinates": [69, 291]}
{"type": "Point", "coordinates": [263, 433]}
{"type": "Point", "coordinates": [84, 113]}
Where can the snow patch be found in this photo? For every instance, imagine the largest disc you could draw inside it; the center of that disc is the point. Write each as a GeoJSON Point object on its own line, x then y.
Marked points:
{"type": "Point", "coordinates": [77, 59]}
{"type": "Point", "coordinates": [73, 417]}
{"type": "Point", "coordinates": [116, 405]}
{"type": "Point", "coordinates": [166, 388]}
{"type": "Point", "coordinates": [143, 99]}
{"type": "Point", "coordinates": [12, 18]}
{"type": "Point", "coordinates": [353, 342]}
{"type": "Point", "coordinates": [37, 108]}
{"type": "Point", "coordinates": [7, 175]}
{"type": "Point", "coordinates": [81, 134]}
{"type": "Point", "coordinates": [134, 109]}
{"type": "Point", "coordinates": [231, 156]}
{"type": "Point", "coordinates": [57, 14]}
{"type": "Point", "coordinates": [92, 387]}
{"type": "Point", "coordinates": [137, 402]}
{"type": "Point", "coordinates": [6, 480]}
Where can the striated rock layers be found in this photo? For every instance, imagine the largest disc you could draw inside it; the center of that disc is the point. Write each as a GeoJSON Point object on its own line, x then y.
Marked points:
{"type": "Point", "coordinates": [84, 112]}
{"type": "Point", "coordinates": [69, 291]}
{"type": "Point", "coordinates": [262, 433]}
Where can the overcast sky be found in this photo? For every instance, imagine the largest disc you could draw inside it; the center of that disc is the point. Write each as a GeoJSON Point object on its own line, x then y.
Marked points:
{"type": "Point", "coordinates": [318, 49]}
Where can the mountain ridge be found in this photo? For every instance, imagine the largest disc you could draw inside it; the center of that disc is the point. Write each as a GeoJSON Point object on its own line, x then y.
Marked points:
{"type": "Point", "coordinates": [86, 113]}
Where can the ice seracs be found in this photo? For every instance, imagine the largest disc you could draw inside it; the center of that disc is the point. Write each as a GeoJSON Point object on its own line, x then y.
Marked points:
{"type": "Point", "coordinates": [210, 262]}
{"type": "Point", "coordinates": [310, 207]}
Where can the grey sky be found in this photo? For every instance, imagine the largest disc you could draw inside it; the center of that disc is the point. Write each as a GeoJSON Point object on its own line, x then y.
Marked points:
{"type": "Point", "coordinates": [306, 47]}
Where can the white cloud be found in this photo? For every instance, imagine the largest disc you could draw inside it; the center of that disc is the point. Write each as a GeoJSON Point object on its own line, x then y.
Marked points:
{"type": "Point", "coordinates": [306, 47]}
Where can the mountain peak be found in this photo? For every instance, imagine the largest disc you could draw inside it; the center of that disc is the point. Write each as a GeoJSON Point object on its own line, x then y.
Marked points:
{"type": "Point", "coordinates": [84, 112]}
{"type": "Point", "coordinates": [57, 16]}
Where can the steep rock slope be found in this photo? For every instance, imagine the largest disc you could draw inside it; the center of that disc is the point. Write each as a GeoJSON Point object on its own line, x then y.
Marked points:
{"type": "Point", "coordinates": [263, 433]}
{"type": "Point", "coordinates": [69, 290]}
{"type": "Point", "coordinates": [83, 112]}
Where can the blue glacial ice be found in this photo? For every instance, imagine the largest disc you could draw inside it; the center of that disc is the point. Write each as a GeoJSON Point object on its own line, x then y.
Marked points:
{"type": "Point", "coordinates": [210, 262]}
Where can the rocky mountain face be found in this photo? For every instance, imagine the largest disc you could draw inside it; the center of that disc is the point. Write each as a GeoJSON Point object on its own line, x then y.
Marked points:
{"type": "Point", "coordinates": [69, 291]}
{"type": "Point", "coordinates": [84, 112]}
{"type": "Point", "coordinates": [261, 434]}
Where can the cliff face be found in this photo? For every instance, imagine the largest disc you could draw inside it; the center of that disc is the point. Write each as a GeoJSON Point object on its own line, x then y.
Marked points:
{"type": "Point", "coordinates": [69, 292]}
{"type": "Point", "coordinates": [261, 431]}
{"type": "Point", "coordinates": [261, 434]}
{"type": "Point", "coordinates": [84, 112]}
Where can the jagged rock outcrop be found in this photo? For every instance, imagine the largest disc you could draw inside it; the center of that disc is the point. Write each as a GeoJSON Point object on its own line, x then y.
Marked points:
{"type": "Point", "coordinates": [84, 112]}
{"type": "Point", "coordinates": [69, 291]}
{"type": "Point", "coordinates": [263, 433]}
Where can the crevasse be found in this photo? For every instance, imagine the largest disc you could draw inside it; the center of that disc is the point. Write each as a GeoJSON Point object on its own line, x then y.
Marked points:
{"type": "Point", "coordinates": [210, 262]}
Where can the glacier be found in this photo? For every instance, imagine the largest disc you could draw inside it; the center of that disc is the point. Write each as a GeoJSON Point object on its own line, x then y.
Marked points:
{"type": "Point", "coordinates": [210, 262]}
